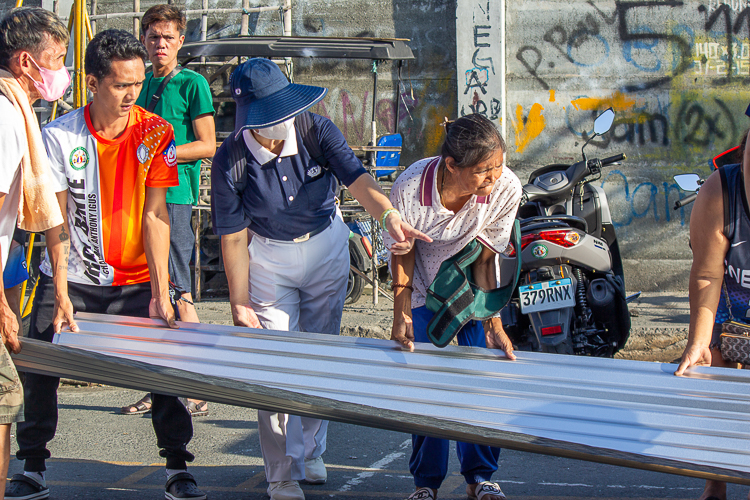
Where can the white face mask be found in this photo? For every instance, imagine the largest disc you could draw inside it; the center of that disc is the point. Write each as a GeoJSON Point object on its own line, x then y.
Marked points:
{"type": "Point", "coordinates": [278, 132]}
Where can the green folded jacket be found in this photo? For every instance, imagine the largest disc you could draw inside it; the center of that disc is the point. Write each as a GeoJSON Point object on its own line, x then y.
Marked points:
{"type": "Point", "coordinates": [456, 300]}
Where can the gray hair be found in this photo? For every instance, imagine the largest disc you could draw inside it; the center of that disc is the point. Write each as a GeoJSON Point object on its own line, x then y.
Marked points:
{"type": "Point", "coordinates": [28, 29]}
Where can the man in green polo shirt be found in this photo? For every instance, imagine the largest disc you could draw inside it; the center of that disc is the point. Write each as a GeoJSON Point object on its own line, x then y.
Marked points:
{"type": "Point", "coordinates": [186, 103]}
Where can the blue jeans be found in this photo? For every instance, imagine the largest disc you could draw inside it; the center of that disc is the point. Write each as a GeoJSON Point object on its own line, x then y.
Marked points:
{"type": "Point", "coordinates": [429, 457]}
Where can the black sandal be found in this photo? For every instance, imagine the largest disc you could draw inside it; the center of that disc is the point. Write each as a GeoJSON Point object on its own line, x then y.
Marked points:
{"type": "Point", "coordinates": [183, 486]}
{"type": "Point", "coordinates": [22, 486]}
{"type": "Point", "coordinates": [197, 409]}
{"type": "Point", "coordinates": [142, 406]}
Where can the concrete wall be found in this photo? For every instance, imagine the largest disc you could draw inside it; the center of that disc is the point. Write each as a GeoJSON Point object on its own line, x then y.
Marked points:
{"type": "Point", "coordinates": [676, 73]}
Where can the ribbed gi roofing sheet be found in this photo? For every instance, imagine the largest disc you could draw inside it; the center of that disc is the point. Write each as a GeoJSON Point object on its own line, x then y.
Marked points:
{"type": "Point", "coordinates": [629, 413]}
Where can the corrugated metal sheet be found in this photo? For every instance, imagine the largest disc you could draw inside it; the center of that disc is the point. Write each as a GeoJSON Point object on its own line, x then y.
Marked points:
{"type": "Point", "coordinates": [630, 413]}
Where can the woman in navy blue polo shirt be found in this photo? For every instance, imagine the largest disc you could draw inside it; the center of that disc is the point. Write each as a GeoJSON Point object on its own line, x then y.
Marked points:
{"type": "Point", "coordinates": [275, 180]}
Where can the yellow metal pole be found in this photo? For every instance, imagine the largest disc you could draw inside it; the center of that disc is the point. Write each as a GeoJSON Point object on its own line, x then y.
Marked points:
{"type": "Point", "coordinates": [73, 28]}
{"type": "Point", "coordinates": [28, 266]}
{"type": "Point", "coordinates": [82, 33]}
{"type": "Point", "coordinates": [27, 310]}
{"type": "Point", "coordinates": [71, 18]}
{"type": "Point", "coordinates": [19, 3]}
{"type": "Point", "coordinates": [89, 32]}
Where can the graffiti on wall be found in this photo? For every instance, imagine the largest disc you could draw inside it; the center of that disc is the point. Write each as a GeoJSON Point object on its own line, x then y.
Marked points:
{"type": "Point", "coordinates": [478, 42]}
{"type": "Point", "coordinates": [680, 80]}
{"type": "Point", "coordinates": [416, 114]}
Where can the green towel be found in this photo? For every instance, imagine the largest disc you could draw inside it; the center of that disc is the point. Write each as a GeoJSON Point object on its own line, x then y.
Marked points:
{"type": "Point", "coordinates": [456, 300]}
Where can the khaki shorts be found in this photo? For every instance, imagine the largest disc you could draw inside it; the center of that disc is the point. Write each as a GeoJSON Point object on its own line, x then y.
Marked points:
{"type": "Point", "coordinates": [11, 391]}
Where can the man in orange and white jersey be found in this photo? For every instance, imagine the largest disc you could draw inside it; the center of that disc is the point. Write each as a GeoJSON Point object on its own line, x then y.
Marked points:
{"type": "Point", "coordinates": [112, 162]}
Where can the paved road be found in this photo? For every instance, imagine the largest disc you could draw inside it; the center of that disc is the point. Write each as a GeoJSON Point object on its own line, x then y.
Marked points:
{"type": "Point", "coordinates": [99, 454]}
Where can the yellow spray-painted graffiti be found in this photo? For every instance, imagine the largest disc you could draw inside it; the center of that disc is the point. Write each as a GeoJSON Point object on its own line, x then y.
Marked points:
{"type": "Point", "coordinates": [527, 132]}
{"type": "Point", "coordinates": [619, 102]}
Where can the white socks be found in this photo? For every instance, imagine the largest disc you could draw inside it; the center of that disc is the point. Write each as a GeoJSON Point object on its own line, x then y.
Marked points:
{"type": "Point", "coordinates": [36, 476]}
{"type": "Point", "coordinates": [172, 472]}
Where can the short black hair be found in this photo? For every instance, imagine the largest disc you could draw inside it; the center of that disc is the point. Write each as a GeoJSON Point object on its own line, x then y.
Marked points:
{"type": "Point", "coordinates": [28, 28]}
{"type": "Point", "coordinates": [471, 139]}
{"type": "Point", "coordinates": [112, 45]}
{"type": "Point", "coordinates": [164, 13]}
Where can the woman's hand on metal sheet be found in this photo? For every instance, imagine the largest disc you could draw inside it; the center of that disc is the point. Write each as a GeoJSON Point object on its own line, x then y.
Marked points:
{"type": "Point", "coordinates": [403, 331]}
{"type": "Point", "coordinates": [496, 337]}
{"type": "Point", "coordinates": [9, 327]}
{"type": "Point", "coordinates": [161, 307]}
{"type": "Point", "coordinates": [243, 315]}
{"type": "Point", "coordinates": [694, 355]}
{"type": "Point", "coordinates": [64, 314]}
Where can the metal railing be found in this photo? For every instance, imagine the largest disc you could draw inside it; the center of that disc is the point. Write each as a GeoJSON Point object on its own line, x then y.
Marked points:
{"type": "Point", "coordinates": [284, 9]}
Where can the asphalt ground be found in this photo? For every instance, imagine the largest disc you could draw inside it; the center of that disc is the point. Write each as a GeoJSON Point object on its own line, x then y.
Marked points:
{"type": "Point", "coordinates": [101, 454]}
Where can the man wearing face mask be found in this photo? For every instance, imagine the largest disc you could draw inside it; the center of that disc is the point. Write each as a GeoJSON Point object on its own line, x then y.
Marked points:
{"type": "Point", "coordinates": [276, 177]}
{"type": "Point", "coordinates": [33, 43]}
{"type": "Point", "coordinates": [112, 163]}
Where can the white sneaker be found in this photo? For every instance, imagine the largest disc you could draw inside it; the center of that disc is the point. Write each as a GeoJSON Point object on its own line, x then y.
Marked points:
{"type": "Point", "coordinates": [315, 471]}
{"type": "Point", "coordinates": [285, 490]}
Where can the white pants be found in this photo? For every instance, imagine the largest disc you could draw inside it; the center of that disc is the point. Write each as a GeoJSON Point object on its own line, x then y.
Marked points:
{"type": "Point", "coordinates": [297, 287]}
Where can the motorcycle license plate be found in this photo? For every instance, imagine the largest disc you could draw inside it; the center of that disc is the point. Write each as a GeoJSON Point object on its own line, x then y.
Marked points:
{"type": "Point", "coordinates": [546, 295]}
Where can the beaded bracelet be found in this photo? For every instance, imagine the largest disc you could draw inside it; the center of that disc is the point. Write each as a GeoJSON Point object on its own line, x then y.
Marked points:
{"type": "Point", "coordinates": [386, 214]}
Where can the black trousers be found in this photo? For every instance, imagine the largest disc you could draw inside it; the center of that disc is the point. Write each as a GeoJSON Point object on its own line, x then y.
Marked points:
{"type": "Point", "coordinates": [171, 420]}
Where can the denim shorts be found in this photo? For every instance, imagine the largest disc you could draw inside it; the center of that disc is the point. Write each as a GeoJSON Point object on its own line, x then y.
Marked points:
{"type": "Point", "coordinates": [181, 245]}
{"type": "Point", "coordinates": [11, 391]}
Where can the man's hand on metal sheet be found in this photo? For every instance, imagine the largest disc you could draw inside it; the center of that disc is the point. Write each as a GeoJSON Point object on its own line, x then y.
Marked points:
{"type": "Point", "coordinates": [161, 307]}
{"type": "Point", "coordinates": [694, 355]}
{"type": "Point", "coordinates": [496, 337]}
{"type": "Point", "coordinates": [243, 315]}
{"type": "Point", "coordinates": [403, 331]}
{"type": "Point", "coordinates": [64, 314]}
{"type": "Point", "coordinates": [403, 233]}
{"type": "Point", "coordinates": [9, 326]}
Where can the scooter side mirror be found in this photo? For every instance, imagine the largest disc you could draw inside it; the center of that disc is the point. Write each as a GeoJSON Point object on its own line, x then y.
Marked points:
{"type": "Point", "coordinates": [688, 182]}
{"type": "Point", "coordinates": [604, 122]}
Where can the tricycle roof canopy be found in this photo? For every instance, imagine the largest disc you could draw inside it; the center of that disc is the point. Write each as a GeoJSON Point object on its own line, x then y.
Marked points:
{"type": "Point", "coordinates": [298, 46]}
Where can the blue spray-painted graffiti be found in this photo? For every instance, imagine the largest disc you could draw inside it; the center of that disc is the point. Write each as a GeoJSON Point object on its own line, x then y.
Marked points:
{"type": "Point", "coordinates": [640, 206]}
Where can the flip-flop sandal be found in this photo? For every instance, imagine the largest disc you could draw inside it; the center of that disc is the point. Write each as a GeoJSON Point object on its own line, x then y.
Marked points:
{"type": "Point", "coordinates": [422, 494]}
{"type": "Point", "coordinates": [486, 488]}
{"type": "Point", "coordinates": [197, 410]}
{"type": "Point", "coordinates": [142, 406]}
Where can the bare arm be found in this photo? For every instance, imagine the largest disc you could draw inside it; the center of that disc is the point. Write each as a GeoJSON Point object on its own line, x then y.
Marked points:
{"type": "Point", "coordinates": [374, 200]}
{"type": "Point", "coordinates": [156, 245]}
{"type": "Point", "coordinates": [710, 247]}
{"type": "Point", "coordinates": [58, 248]}
{"type": "Point", "coordinates": [402, 267]}
{"type": "Point", "coordinates": [236, 266]}
{"type": "Point", "coordinates": [485, 276]}
{"type": "Point", "coordinates": [204, 145]}
{"type": "Point", "coordinates": [8, 320]}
